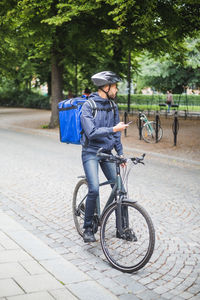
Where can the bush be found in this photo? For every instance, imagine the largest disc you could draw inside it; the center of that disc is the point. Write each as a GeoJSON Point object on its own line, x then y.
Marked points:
{"type": "Point", "coordinates": [28, 99]}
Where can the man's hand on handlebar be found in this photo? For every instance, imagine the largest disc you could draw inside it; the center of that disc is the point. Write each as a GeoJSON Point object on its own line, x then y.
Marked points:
{"type": "Point", "coordinates": [120, 159]}
{"type": "Point", "coordinates": [124, 163]}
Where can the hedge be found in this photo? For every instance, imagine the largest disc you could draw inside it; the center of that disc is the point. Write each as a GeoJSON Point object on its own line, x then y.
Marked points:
{"type": "Point", "coordinates": [30, 99]}
{"type": "Point", "coordinates": [26, 99]}
{"type": "Point", "coordinates": [140, 99]}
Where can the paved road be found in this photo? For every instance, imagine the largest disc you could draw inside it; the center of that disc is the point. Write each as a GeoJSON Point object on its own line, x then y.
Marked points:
{"type": "Point", "coordinates": [37, 177]}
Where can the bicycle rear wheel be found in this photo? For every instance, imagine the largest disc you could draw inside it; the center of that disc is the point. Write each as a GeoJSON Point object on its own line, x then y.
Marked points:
{"type": "Point", "coordinates": [149, 132]}
{"type": "Point", "coordinates": [123, 253]}
{"type": "Point", "coordinates": [78, 204]}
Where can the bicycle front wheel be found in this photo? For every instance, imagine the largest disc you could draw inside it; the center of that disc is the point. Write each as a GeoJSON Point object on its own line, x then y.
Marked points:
{"type": "Point", "coordinates": [149, 132]}
{"type": "Point", "coordinates": [128, 254]}
{"type": "Point", "coordinates": [78, 204]}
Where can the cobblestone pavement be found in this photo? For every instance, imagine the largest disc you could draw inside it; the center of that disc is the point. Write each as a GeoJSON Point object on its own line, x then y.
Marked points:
{"type": "Point", "coordinates": [37, 177]}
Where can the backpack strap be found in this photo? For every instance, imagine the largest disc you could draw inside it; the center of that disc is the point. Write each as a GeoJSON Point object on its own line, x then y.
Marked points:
{"type": "Point", "coordinates": [93, 106]}
{"type": "Point", "coordinates": [112, 104]}
{"type": "Point", "coordinates": [95, 109]}
{"type": "Point", "coordinates": [94, 113]}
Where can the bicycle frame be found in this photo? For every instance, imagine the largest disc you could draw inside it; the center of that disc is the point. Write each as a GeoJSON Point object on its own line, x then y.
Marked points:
{"type": "Point", "coordinates": [110, 199]}
{"type": "Point", "coordinates": [146, 121]}
{"type": "Point", "coordinates": [119, 193]}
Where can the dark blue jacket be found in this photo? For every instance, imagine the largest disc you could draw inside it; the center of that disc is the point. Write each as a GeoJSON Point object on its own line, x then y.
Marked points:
{"type": "Point", "coordinates": [98, 130]}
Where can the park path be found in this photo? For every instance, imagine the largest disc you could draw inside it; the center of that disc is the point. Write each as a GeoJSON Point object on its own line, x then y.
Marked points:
{"type": "Point", "coordinates": [37, 178]}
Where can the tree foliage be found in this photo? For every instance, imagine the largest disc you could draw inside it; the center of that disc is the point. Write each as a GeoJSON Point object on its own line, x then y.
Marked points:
{"type": "Point", "coordinates": [63, 42]}
{"type": "Point", "coordinates": [163, 73]}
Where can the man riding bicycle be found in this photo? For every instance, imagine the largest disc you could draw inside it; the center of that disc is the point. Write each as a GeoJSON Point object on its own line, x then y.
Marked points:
{"type": "Point", "coordinates": [100, 130]}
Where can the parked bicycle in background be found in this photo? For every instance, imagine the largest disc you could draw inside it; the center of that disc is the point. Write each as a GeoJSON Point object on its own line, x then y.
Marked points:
{"type": "Point", "coordinates": [150, 130]}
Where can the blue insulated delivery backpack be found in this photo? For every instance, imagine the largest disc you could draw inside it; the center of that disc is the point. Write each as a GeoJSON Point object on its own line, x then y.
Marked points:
{"type": "Point", "coordinates": [69, 119]}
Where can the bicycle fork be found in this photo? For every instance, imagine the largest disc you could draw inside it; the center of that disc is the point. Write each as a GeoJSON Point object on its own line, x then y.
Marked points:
{"type": "Point", "coordinates": [122, 216]}
{"type": "Point", "coordinates": [121, 212]}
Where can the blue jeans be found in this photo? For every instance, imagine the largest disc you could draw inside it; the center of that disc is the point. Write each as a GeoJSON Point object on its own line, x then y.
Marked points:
{"type": "Point", "coordinates": [91, 167]}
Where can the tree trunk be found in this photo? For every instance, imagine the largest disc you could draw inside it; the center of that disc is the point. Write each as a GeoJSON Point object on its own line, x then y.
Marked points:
{"type": "Point", "coordinates": [49, 84]}
{"type": "Point", "coordinates": [56, 88]}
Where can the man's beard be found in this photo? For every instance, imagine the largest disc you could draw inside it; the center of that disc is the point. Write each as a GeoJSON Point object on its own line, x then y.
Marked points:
{"type": "Point", "coordinates": [113, 97]}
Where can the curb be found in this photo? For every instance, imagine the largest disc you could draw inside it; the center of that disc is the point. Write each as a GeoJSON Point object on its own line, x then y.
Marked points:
{"type": "Point", "coordinates": [159, 155]}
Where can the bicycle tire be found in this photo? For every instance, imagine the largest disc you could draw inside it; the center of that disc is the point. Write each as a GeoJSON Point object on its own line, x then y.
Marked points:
{"type": "Point", "coordinates": [149, 134]}
{"type": "Point", "coordinates": [80, 194]}
{"type": "Point", "coordinates": [125, 255]}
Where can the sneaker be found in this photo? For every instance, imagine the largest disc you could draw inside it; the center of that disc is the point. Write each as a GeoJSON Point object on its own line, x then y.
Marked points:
{"type": "Point", "coordinates": [128, 235]}
{"type": "Point", "coordinates": [88, 235]}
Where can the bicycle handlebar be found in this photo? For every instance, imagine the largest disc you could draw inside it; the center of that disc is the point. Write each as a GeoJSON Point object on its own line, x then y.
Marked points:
{"type": "Point", "coordinates": [118, 159]}
{"type": "Point", "coordinates": [110, 157]}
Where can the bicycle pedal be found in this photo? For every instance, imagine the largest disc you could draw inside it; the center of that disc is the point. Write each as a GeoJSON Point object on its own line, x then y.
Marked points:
{"type": "Point", "coordinates": [77, 213]}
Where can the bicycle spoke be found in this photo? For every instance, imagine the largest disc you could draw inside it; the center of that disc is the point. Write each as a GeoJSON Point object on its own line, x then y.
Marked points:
{"type": "Point", "coordinates": [78, 205]}
{"type": "Point", "coordinates": [122, 253]}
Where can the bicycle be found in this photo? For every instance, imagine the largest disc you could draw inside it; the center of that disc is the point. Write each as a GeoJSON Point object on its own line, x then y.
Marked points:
{"type": "Point", "coordinates": [149, 129]}
{"type": "Point", "coordinates": [127, 233]}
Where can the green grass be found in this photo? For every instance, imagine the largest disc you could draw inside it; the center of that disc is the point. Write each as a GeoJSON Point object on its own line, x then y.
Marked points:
{"type": "Point", "coordinates": [45, 126]}
{"type": "Point", "coordinates": [155, 99]}
{"type": "Point", "coordinates": [156, 107]}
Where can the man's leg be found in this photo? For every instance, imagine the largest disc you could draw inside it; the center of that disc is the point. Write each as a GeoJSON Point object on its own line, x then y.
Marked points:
{"type": "Point", "coordinates": [91, 172]}
{"type": "Point", "coordinates": [109, 170]}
